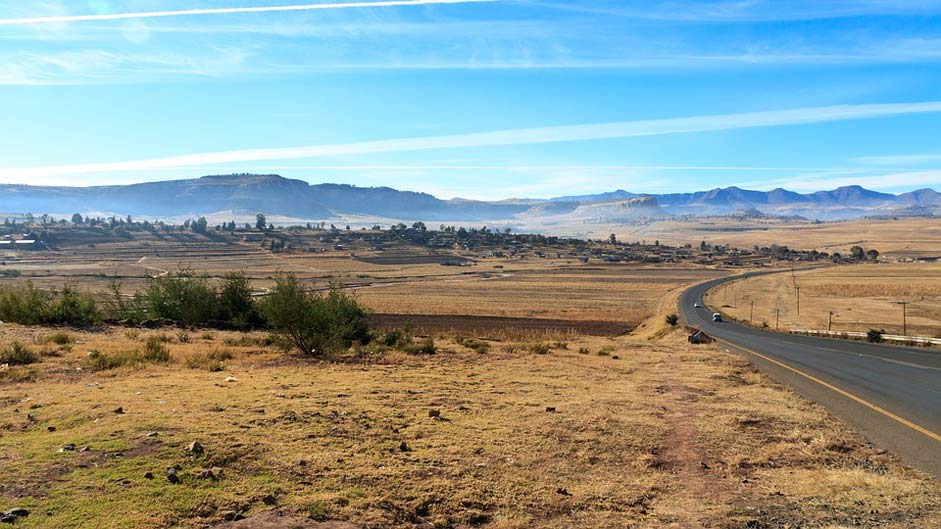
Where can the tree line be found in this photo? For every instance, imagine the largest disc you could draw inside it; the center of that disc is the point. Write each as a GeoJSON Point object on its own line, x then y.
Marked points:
{"type": "Point", "coordinates": [314, 322]}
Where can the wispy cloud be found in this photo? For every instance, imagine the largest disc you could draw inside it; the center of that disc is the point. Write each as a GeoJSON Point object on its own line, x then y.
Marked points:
{"type": "Point", "coordinates": [899, 159]}
{"type": "Point", "coordinates": [529, 136]}
{"type": "Point", "coordinates": [225, 11]}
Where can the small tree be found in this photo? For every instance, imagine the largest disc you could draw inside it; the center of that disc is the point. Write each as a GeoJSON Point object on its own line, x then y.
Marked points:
{"type": "Point", "coordinates": [857, 253]}
{"type": "Point", "coordinates": [672, 320]}
{"type": "Point", "coordinates": [261, 222]}
{"type": "Point", "coordinates": [236, 305]}
{"type": "Point", "coordinates": [314, 323]}
{"type": "Point", "coordinates": [872, 255]}
{"type": "Point", "coordinates": [77, 219]}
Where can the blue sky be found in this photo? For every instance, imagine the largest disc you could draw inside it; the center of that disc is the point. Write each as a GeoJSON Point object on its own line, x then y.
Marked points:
{"type": "Point", "coordinates": [478, 99]}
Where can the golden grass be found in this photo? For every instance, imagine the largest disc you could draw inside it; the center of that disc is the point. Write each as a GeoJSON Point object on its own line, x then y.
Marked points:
{"type": "Point", "coordinates": [862, 297]}
{"type": "Point", "coordinates": [664, 435]}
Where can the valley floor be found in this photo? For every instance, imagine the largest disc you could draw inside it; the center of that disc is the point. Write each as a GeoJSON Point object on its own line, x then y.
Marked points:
{"type": "Point", "coordinates": [597, 432]}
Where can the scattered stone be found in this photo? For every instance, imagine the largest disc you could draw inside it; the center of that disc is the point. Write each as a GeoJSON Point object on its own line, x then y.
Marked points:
{"type": "Point", "coordinates": [404, 447]}
{"type": "Point", "coordinates": [563, 492]}
{"type": "Point", "coordinates": [302, 463]}
{"type": "Point", "coordinates": [434, 414]}
{"type": "Point", "coordinates": [615, 357]}
{"type": "Point", "coordinates": [231, 379]}
{"type": "Point", "coordinates": [232, 516]}
{"type": "Point", "coordinates": [30, 417]}
{"type": "Point", "coordinates": [152, 434]}
{"type": "Point", "coordinates": [50, 428]}
{"type": "Point", "coordinates": [207, 474]}
{"type": "Point", "coordinates": [269, 500]}
{"type": "Point", "coordinates": [18, 512]}
{"type": "Point", "coordinates": [550, 409]}
{"type": "Point", "coordinates": [119, 411]}
{"type": "Point", "coordinates": [7, 518]}
{"type": "Point", "coordinates": [68, 448]}
{"type": "Point", "coordinates": [148, 475]}
{"type": "Point", "coordinates": [195, 448]}
{"type": "Point", "coordinates": [85, 448]}
{"type": "Point", "coordinates": [172, 476]}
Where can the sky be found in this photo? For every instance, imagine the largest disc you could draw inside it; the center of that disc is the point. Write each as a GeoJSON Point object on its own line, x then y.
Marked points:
{"type": "Point", "coordinates": [482, 99]}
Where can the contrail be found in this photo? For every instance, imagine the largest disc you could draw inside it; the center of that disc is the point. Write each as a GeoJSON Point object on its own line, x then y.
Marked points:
{"type": "Point", "coordinates": [500, 138]}
{"type": "Point", "coordinates": [228, 10]}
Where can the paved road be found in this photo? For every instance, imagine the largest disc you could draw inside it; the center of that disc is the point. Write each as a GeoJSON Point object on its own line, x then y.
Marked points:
{"type": "Point", "coordinates": [889, 393]}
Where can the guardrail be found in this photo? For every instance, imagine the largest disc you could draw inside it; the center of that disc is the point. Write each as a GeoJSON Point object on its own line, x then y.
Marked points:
{"type": "Point", "coordinates": [918, 340]}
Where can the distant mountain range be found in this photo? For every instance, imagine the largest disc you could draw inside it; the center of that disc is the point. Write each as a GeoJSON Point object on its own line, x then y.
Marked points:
{"type": "Point", "coordinates": [277, 196]}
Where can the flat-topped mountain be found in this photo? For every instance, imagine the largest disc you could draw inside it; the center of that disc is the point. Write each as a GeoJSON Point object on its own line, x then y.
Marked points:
{"type": "Point", "coordinates": [276, 195]}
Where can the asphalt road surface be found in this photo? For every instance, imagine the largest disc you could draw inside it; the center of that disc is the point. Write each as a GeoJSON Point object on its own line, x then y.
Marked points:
{"type": "Point", "coordinates": [891, 394]}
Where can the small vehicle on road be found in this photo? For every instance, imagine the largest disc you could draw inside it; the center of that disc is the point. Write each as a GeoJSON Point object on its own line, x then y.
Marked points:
{"type": "Point", "coordinates": [716, 317]}
{"type": "Point", "coordinates": [697, 305]}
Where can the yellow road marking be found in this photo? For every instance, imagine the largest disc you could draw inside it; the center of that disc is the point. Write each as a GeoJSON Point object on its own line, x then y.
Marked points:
{"type": "Point", "coordinates": [920, 429]}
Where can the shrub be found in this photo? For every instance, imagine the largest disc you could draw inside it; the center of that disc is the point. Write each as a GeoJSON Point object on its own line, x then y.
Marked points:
{"type": "Point", "coordinates": [155, 351]}
{"type": "Point", "coordinates": [183, 337]}
{"type": "Point", "coordinates": [424, 347]}
{"type": "Point", "coordinates": [396, 338]}
{"type": "Point", "coordinates": [180, 297]}
{"type": "Point", "coordinates": [606, 351]}
{"type": "Point", "coordinates": [236, 305]}
{"type": "Point", "coordinates": [29, 305]}
{"type": "Point", "coordinates": [583, 350]}
{"type": "Point", "coordinates": [9, 272]}
{"type": "Point", "coordinates": [314, 323]}
{"type": "Point", "coordinates": [59, 338]}
{"type": "Point", "coordinates": [18, 355]}
{"type": "Point", "coordinates": [672, 320]}
{"type": "Point", "coordinates": [475, 345]}
{"type": "Point", "coordinates": [540, 348]}
{"type": "Point", "coordinates": [560, 345]}
{"type": "Point", "coordinates": [73, 307]}
{"type": "Point", "coordinates": [874, 336]}
{"type": "Point", "coordinates": [97, 361]}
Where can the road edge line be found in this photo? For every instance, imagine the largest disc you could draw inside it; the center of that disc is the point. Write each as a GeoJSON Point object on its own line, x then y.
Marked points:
{"type": "Point", "coordinates": [859, 400]}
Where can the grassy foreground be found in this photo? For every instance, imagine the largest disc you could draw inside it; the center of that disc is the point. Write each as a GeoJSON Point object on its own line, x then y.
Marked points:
{"type": "Point", "coordinates": [595, 433]}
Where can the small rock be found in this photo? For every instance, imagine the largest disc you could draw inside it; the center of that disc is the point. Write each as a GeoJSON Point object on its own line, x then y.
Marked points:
{"type": "Point", "coordinates": [172, 477]}
{"type": "Point", "coordinates": [85, 449]}
{"type": "Point", "coordinates": [302, 463]}
{"type": "Point", "coordinates": [563, 492]}
{"type": "Point", "coordinates": [269, 500]}
{"type": "Point", "coordinates": [550, 409]}
{"type": "Point", "coordinates": [404, 447]}
{"type": "Point", "coordinates": [231, 516]}
{"type": "Point", "coordinates": [231, 379]}
{"type": "Point", "coordinates": [615, 357]}
{"type": "Point", "coordinates": [30, 417]}
{"type": "Point", "coordinates": [207, 474]}
{"type": "Point", "coordinates": [18, 512]}
{"type": "Point", "coordinates": [434, 414]}
{"type": "Point", "coordinates": [50, 428]}
{"type": "Point", "coordinates": [68, 448]}
{"type": "Point", "coordinates": [148, 475]}
{"type": "Point", "coordinates": [195, 448]}
{"type": "Point", "coordinates": [7, 518]}
{"type": "Point", "coordinates": [119, 411]}
{"type": "Point", "coordinates": [152, 434]}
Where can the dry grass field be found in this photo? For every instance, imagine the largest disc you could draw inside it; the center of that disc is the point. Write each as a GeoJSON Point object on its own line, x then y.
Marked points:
{"type": "Point", "coordinates": [411, 281]}
{"type": "Point", "coordinates": [907, 237]}
{"type": "Point", "coordinates": [862, 297]}
{"type": "Point", "coordinates": [595, 433]}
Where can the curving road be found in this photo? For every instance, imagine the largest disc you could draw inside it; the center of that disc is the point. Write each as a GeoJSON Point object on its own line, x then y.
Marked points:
{"type": "Point", "coordinates": [889, 393]}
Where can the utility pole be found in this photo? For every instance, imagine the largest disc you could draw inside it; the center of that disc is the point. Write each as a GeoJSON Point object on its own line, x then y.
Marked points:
{"type": "Point", "coordinates": [830, 321]}
{"type": "Point", "coordinates": [777, 318]}
{"type": "Point", "coordinates": [904, 304]}
{"type": "Point", "coordinates": [752, 317]}
{"type": "Point", "coordinates": [798, 290]}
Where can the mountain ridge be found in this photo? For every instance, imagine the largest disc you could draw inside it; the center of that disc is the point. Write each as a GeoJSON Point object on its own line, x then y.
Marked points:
{"type": "Point", "coordinates": [276, 195]}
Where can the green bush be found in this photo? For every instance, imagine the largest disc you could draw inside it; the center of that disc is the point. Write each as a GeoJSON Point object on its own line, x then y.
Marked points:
{"type": "Point", "coordinates": [28, 305]}
{"type": "Point", "coordinates": [874, 335]}
{"type": "Point", "coordinates": [181, 297]}
{"type": "Point", "coordinates": [672, 320]}
{"type": "Point", "coordinates": [314, 323]}
{"type": "Point", "coordinates": [18, 355]}
{"type": "Point", "coordinates": [212, 361]}
{"type": "Point", "coordinates": [476, 345]}
{"type": "Point", "coordinates": [97, 361]}
{"type": "Point", "coordinates": [236, 305]}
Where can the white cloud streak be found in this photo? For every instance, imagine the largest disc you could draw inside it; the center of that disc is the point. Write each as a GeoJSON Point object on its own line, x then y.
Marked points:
{"type": "Point", "coordinates": [226, 11]}
{"type": "Point", "coordinates": [530, 136]}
